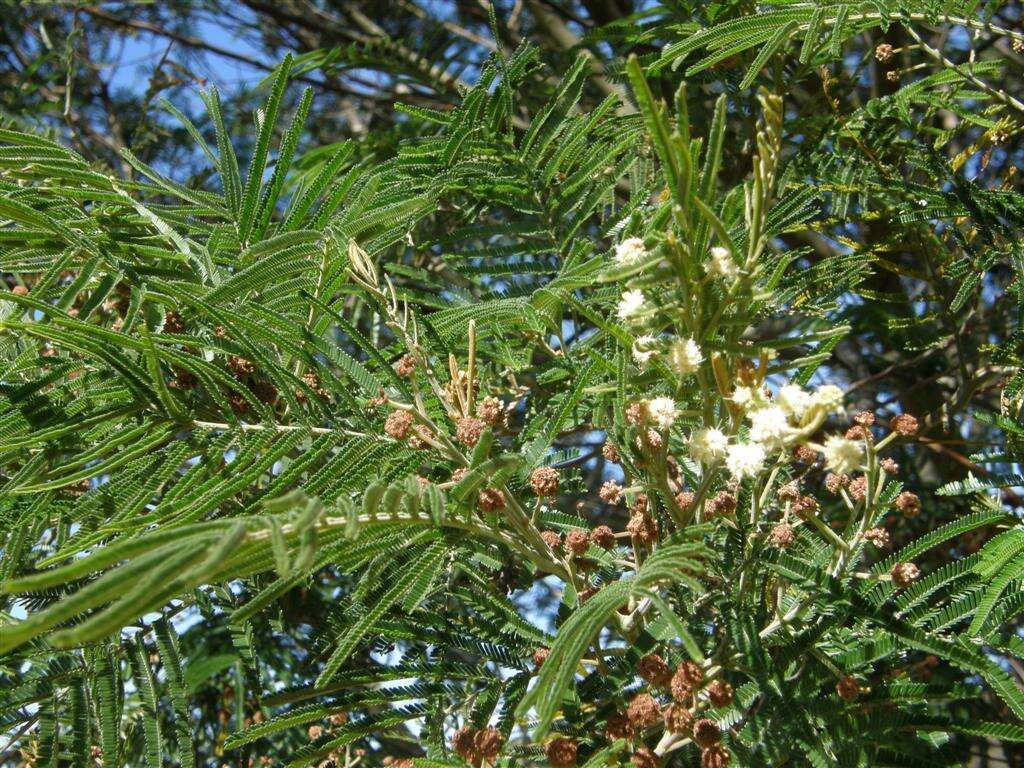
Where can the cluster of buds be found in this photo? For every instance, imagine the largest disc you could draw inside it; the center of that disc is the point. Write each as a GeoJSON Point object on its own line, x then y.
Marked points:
{"type": "Point", "coordinates": [478, 746]}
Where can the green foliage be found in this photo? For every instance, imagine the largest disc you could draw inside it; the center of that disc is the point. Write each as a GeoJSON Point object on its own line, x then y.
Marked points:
{"type": "Point", "coordinates": [306, 463]}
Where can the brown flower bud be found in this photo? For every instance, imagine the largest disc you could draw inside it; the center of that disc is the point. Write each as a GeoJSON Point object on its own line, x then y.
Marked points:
{"type": "Point", "coordinates": [489, 742]}
{"type": "Point", "coordinates": [706, 732]}
{"type": "Point", "coordinates": [458, 474]}
{"type": "Point", "coordinates": [491, 500]}
{"type": "Point", "coordinates": [884, 52]}
{"type": "Point", "coordinates": [864, 418]}
{"type": "Point", "coordinates": [806, 454]}
{"type": "Point", "coordinates": [905, 425]}
{"type": "Point", "coordinates": [859, 488]}
{"type": "Point", "coordinates": [904, 574]}
{"type": "Point", "coordinates": [678, 718]}
{"type": "Point", "coordinates": [835, 483]}
{"type": "Point", "coordinates": [715, 756]}
{"type": "Point", "coordinates": [789, 492]}
{"type": "Point", "coordinates": [908, 503]}
{"type": "Point", "coordinates": [468, 430]}
{"type": "Point", "coordinates": [610, 492]}
{"type": "Point", "coordinates": [636, 414]}
{"type": "Point", "coordinates": [19, 290]}
{"type": "Point", "coordinates": [602, 536]}
{"type": "Point", "coordinates": [720, 693]}
{"type": "Point", "coordinates": [315, 732]}
{"type": "Point", "coordinates": [561, 752]}
{"type": "Point", "coordinates": [490, 411]}
{"type": "Point", "coordinates": [642, 712]}
{"type": "Point", "coordinates": [877, 536]}
{"type": "Point", "coordinates": [405, 366]}
{"type": "Point", "coordinates": [611, 453]}
{"type": "Point", "coordinates": [645, 758]}
{"type": "Point", "coordinates": [544, 481]}
{"type": "Point", "coordinates": [848, 688]}
{"type": "Point", "coordinates": [857, 432]}
{"type": "Point", "coordinates": [398, 425]}
{"type": "Point", "coordinates": [805, 507]}
{"type": "Point", "coordinates": [577, 541]}
{"type": "Point", "coordinates": [173, 323]}
{"type": "Point", "coordinates": [889, 466]}
{"type": "Point", "coordinates": [782, 535]}
{"type": "Point", "coordinates": [643, 527]}
{"type": "Point", "coordinates": [464, 743]}
{"type": "Point", "coordinates": [616, 727]}
{"type": "Point", "coordinates": [654, 670]}
{"type": "Point", "coordinates": [687, 678]}
{"type": "Point", "coordinates": [240, 366]}
{"type": "Point", "coordinates": [540, 656]}
{"type": "Point", "coordinates": [338, 718]}
{"type": "Point", "coordinates": [552, 538]}
{"type": "Point", "coordinates": [684, 499]}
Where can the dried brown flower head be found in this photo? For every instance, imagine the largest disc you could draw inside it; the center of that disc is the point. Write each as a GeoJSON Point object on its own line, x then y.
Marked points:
{"type": "Point", "coordinates": [877, 536]}
{"type": "Point", "coordinates": [610, 492]}
{"type": "Point", "coordinates": [240, 366]}
{"type": "Point", "coordinates": [616, 727]}
{"type": "Point", "coordinates": [491, 500]}
{"type": "Point", "coordinates": [715, 756]}
{"type": "Point", "coordinates": [552, 538]}
{"type": "Point", "coordinates": [173, 323]}
{"type": "Point", "coordinates": [864, 418]}
{"type": "Point", "coordinates": [905, 425]}
{"type": "Point", "coordinates": [782, 535]}
{"type": "Point", "coordinates": [464, 742]}
{"type": "Point", "coordinates": [561, 752]}
{"type": "Point", "coordinates": [904, 574]}
{"type": "Point", "coordinates": [540, 656]}
{"type": "Point", "coordinates": [857, 432]}
{"type": "Point", "coordinates": [468, 430]}
{"type": "Point", "coordinates": [636, 414]}
{"type": "Point", "coordinates": [645, 758]}
{"type": "Point", "coordinates": [789, 492]}
{"type": "Point", "coordinates": [398, 425]}
{"type": "Point", "coordinates": [684, 499]}
{"type": "Point", "coordinates": [834, 483]}
{"type": "Point", "coordinates": [19, 290]}
{"type": "Point", "coordinates": [859, 488]}
{"type": "Point", "coordinates": [889, 466]}
{"type": "Point", "coordinates": [678, 718]}
{"type": "Point", "coordinates": [643, 527]}
{"type": "Point", "coordinates": [720, 693]}
{"type": "Point", "coordinates": [642, 712]}
{"type": "Point", "coordinates": [577, 541]}
{"type": "Point", "coordinates": [654, 670]}
{"type": "Point", "coordinates": [884, 52]}
{"type": "Point", "coordinates": [706, 732]}
{"type": "Point", "coordinates": [544, 481]}
{"type": "Point", "coordinates": [602, 536]}
{"type": "Point", "coordinates": [611, 453]}
{"type": "Point", "coordinates": [908, 503]}
{"type": "Point", "coordinates": [405, 366]}
{"type": "Point", "coordinates": [806, 454]}
{"type": "Point", "coordinates": [848, 688]}
{"type": "Point", "coordinates": [490, 411]}
{"type": "Point", "coordinates": [489, 742]}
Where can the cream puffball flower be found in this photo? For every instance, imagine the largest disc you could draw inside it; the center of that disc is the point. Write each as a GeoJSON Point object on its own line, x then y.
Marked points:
{"type": "Point", "coordinates": [631, 304]}
{"type": "Point", "coordinates": [722, 265]}
{"type": "Point", "coordinates": [794, 401]}
{"type": "Point", "coordinates": [708, 446]}
{"type": "Point", "coordinates": [644, 349]}
{"type": "Point", "coordinates": [770, 426]}
{"type": "Point", "coordinates": [829, 397]}
{"type": "Point", "coordinates": [745, 459]}
{"type": "Point", "coordinates": [662, 411]}
{"type": "Point", "coordinates": [686, 357]}
{"type": "Point", "coordinates": [743, 397]}
{"type": "Point", "coordinates": [843, 456]}
{"type": "Point", "coordinates": [630, 251]}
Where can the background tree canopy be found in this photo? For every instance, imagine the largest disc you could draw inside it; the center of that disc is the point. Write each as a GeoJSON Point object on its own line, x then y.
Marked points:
{"type": "Point", "coordinates": [364, 366]}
